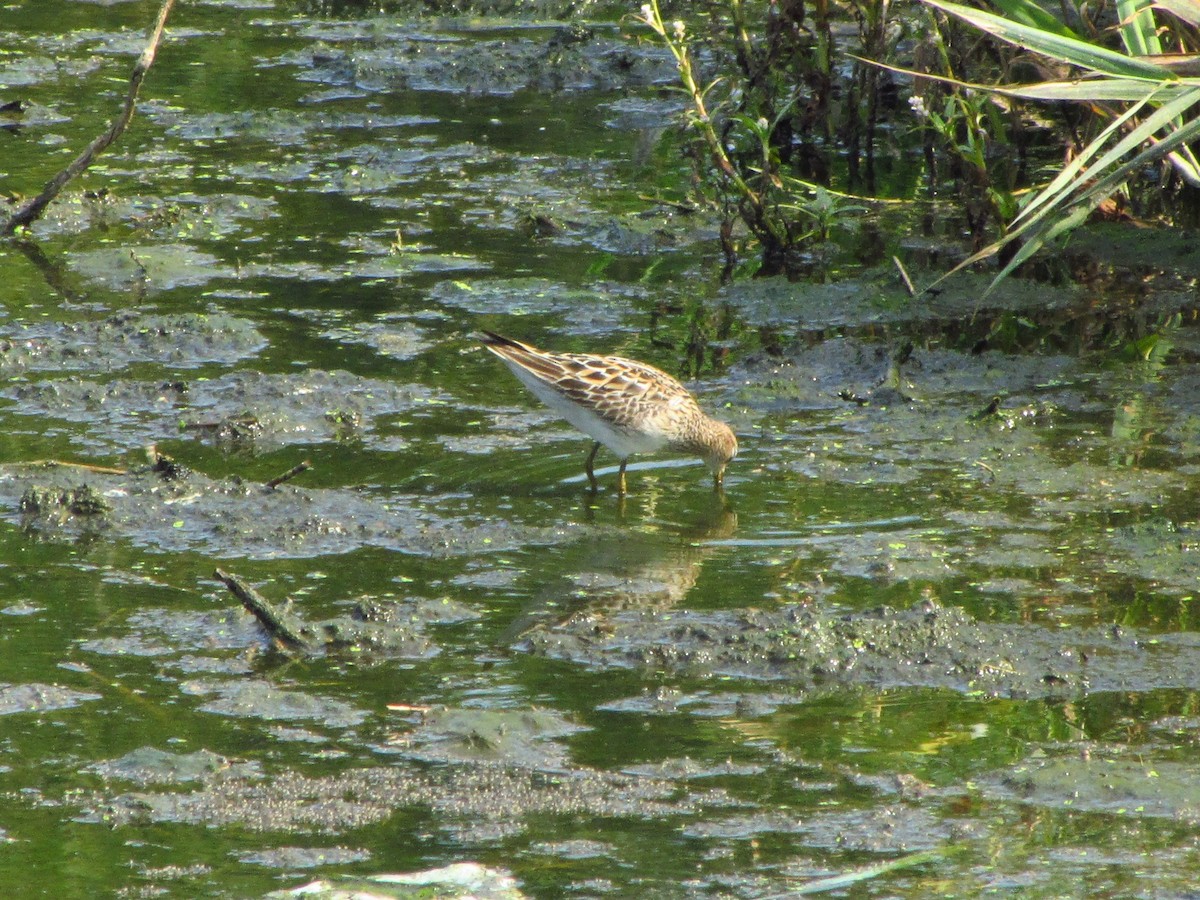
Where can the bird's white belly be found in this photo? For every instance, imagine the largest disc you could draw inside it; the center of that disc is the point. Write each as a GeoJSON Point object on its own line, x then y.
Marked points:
{"type": "Point", "coordinates": [620, 442]}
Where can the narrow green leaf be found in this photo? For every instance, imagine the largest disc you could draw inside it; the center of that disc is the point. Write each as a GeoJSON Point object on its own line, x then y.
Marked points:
{"type": "Point", "coordinates": [1062, 183]}
{"type": "Point", "coordinates": [1137, 27]}
{"type": "Point", "coordinates": [1155, 150]}
{"type": "Point", "coordinates": [1079, 188]}
{"type": "Point", "coordinates": [1065, 49]}
{"type": "Point", "coordinates": [1093, 87]}
{"type": "Point", "coordinates": [1088, 193]}
{"type": "Point", "coordinates": [1142, 132]}
{"type": "Point", "coordinates": [1098, 89]}
{"type": "Point", "coordinates": [1029, 13]}
{"type": "Point", "coordinates": [1036, 242]}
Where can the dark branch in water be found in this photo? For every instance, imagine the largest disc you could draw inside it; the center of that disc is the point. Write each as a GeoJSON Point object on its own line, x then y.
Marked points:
{"type": "Point", "coordinates": [289, 474]}
{"type": "Point", "coordinates": [287, 634]}
{"type": "Point", "coordinates": [33, 208]}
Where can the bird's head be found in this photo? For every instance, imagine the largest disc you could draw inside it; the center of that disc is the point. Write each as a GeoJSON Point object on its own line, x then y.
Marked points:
{"type": "Point", "coordinates": [719, 449]}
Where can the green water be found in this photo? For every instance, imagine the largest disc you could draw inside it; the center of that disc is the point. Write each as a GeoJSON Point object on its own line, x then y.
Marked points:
{"type": "Point", "coordinates": [368, 222]}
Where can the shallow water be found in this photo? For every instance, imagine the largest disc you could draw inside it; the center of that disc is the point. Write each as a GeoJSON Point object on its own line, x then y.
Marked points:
{"type": "Point", "coordinates": [906, 626]}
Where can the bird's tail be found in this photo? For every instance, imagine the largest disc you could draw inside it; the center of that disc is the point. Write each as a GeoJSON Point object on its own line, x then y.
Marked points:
{"type": "Point", "coordinates": [491, 339]}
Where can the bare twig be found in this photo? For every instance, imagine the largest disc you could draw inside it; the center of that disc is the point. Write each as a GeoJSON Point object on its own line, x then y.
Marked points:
{"type": "Point", "coordinates": [289, 474]}
{"type": "Point", "coordinates": [681, 206]}
{"type": "Point", "coordinates": [57, 463]}
{"type": "Point", "coordinates": [282, 627]}
{"type": "Point", "coordinates": [30, 210]}
{"type": "Point", "coordinates": [908, 285]}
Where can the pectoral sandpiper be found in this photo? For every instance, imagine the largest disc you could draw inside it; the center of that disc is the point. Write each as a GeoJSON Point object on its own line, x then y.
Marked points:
{"type": "Point", "coordinates": [627, 406]}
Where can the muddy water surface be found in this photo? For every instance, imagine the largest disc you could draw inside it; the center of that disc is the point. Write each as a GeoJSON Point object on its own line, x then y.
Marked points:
{"type": "Point", "coordinates": [945, 606]}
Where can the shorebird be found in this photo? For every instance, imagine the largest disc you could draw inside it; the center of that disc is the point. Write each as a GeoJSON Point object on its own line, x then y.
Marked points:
{"type": "Point", "coordinates": [625, 405]}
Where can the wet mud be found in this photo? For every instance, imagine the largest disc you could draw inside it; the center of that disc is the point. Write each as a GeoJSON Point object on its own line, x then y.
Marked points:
{"type": "Point", "coordinates": [175, 510]}
{"type": "Point", "coordinates": [560, 59]}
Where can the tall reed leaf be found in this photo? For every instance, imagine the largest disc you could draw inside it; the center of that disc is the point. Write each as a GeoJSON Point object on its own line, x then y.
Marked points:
{"type": "Point", "coordinates": [1137, 27]}
{"type": "Point", "coordinates": [1057, 46]}
{"type": "Point", "coordinates": [1029, 13]}
{"type": "Point", "coordinates": [1091, 90]}
{"type": "Point", "coordinates": [1080, 188]}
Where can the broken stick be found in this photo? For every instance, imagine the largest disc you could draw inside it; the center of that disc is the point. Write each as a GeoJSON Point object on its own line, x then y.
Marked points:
{"type": "Point", "coordinates": [277, 622]}
{"type": "Point", "coordinates": [31, 209]}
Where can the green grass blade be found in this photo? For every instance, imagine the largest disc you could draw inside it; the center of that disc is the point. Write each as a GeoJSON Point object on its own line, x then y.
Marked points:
{"type": "Point", "coordinates": [1137, 27]}
{"type": "Point", "coordinates": [1074, 176]}
{"type": "Point", "coordinates": [1087, 195]}
{"type": "Point", "coordinates": [1028, 13]}
{"type": "Point", "coordinates": [1153, 152]}
{"type": "Point", "coordinates": [1097, 88]}
{"type": "Point", "coordinates": [1128, 90]}
{"type": "Point", "coordinates": [1036, 242]}
{"type": "Point", "coordinates": [1077, 190]}
{"type": "Point", "coordinates": [1061, 184]}
{"type": "Point", "coordinates": [1057, 46]}
{"type": "Point", "coordinates": [1186, 164]}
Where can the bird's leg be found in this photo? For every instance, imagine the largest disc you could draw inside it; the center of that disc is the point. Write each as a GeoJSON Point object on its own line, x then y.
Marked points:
{"type": "Point", "coordinates": [621, 478]}
{"type": "Point", "coordinates": [595, 485]}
